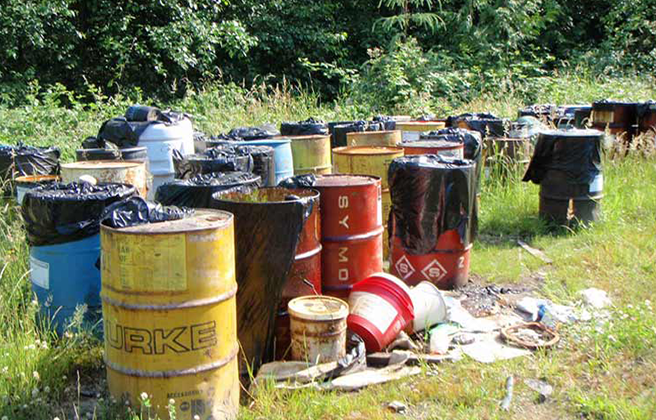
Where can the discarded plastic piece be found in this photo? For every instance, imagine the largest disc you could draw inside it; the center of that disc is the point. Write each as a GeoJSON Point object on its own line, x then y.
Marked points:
{"type": "Point", "coordinates": [535, 252]}
{"type": "Point", "coordinates": [460, 316]}
{"type": "Point", "coordinates": [430, 307]}
{"type": "Point", "coordinates": [541, 387]}
{"type": "Point", "coordinates": [397, 407]}
{"type": "Point", "coordinates": [489, 348]}
{"type": "Point", "coordinates": [505, 404]}
{"type": "Point", "coordinates": [251, 133]}
{"type": "Point", "coordinates": [414, 359]}
{"type": "Point", "coordinates": [441, 337]}
{"type": "Point", "coordinates": [380, 308]}
{"type": "Point", "coordinates": [359, 380]}
{"type": "Point", "coordinates": [137, 211]}
{"type": "Point", "coordinates": [304, 128]}
{"type": "Point", "coordinates": [560, 313]}
{"type": "Point", "coordinates": [595, 298]}
{"type": "Point", "coordinates": [197, 192]}
{"type": "Point", "coordinates": [59, 213]}
{"type": "Point", "coordinates": [318, 328]}
{"type": "Point", "coordinates": [403, 341]}
{"type": "Point", "coordinates": [22, 160]}
{"type": "Point", "coordinates": [531, 335]}
{"type": "Point", "coordinates": [217, 159]}
{"type": "Point", "coordinates": [270, 224]}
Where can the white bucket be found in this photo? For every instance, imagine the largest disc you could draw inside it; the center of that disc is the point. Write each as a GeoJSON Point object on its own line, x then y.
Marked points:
{"type": "Point", "coordinates": [318, 328]}
{"type": "Point", "coordinates": [430, 307]}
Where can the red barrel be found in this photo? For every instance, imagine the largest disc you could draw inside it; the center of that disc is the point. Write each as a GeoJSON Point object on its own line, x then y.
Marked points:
{"type": "Point", "coordinates": [446, 267]}
{"type": "Point", "coordinates": [305, 275]}
{"type": "Point", "coordinates": [380, 308]}
{"type": "Point", "coordinates": [437, 147]}
{"type": "Point", "coordinates": [351, 231]}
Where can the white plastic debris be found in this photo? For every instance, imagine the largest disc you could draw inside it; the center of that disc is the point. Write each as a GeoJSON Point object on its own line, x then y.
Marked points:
{"type": "Point", "coordinates": [440, 338]}
{"type": "Point", "coordinates": [595, 298]}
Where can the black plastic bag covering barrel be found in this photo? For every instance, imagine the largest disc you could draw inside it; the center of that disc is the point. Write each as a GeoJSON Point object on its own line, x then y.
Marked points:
{"type": "Point", "coordinates": [250, 133]}
{"type": "Point", "coordinates": [58, 213]}
{"type": "Point", "coordinates": [218, 159]}
{"type": "Point", "coordinates": [24, 160]}
{"type": "Point", "coordinates": [124, 133]}
{"type": "Point", "coordinates": [304, 128]}
{"type": "Point", "coordinates": [431, 195]}
{"type": "Point", "coordinates": [388, 123]}
{"type": "Point", "coordinates": [136, 211]}
{"type": "Point", "coordinates": [340, 131]}
{"type": "Point", "coordinates": [485, 123]}
{"type": "Point", "coordinates": [263, 162]}
{"type": "Point", "coordinates": [268, 222]}
{"type": "Point", "coordinates": [197, 192]}
{"type": "Point", "coordinates": [577, 153]}
{"type": "Point", "coordinates": [142, 113]}
{"type": "Point", "coordinates": [138, 154]}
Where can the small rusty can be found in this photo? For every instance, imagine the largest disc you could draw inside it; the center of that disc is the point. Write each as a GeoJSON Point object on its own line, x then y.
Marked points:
{"type": "Point", "coordinates": [318, 327]}
{"type": "Point", "coordinates": [351, 231]}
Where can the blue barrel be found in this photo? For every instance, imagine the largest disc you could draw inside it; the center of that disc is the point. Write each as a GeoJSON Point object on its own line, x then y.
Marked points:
{"type": "Point", "coordinates": [64, 276]}
{"type": "Point", "coordinates": [282, 156]}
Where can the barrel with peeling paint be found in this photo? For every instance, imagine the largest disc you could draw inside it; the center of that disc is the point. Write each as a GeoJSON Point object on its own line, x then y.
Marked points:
{"type": "Point", "coordinates": [411, 130]}
{"type": "Point", "coordinates": [311, 154]}
{"type": "Point", "coordinates": [373, 138]}
{"type": "Point", "coordinates": [351, 231]}
{"type": "Point", "coordinates": [121, 172]}
{"type": "Point", "coordinates": [619, 118]}
{"type": "Point", "coordinates": [168, 294]}
{"type": "Point", "coordinates": [369, 160]}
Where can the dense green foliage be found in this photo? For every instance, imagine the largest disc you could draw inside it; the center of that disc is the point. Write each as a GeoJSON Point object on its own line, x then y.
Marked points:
{"type": "Point", "coordinates": [165, 47]}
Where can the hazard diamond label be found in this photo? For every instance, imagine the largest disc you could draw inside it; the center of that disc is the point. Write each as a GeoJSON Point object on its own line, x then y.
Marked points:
{"type": "Point", "coordinates": [434, 271]}
{"type": "Point", "coordinates": [404, 268]}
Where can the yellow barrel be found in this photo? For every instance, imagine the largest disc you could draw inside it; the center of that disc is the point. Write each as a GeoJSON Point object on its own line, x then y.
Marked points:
{"type": "Point", "coordinates": [369, 160]}
{"type": "Point", "coordinates": [170, 318]}
{"type": "Point", "coordinates": [311, 154]}
{"type": "Point", "coordinates": [122, 172]}
{"type": "Point", "coordinates": [373, 138]}
{"type": "Point", "coordinates": [411, 130]}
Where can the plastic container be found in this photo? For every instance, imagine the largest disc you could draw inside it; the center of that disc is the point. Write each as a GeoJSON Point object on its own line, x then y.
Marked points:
{"type": "Point", "coordinates": [430, 307]}
{"type": "Point", "coordinates": [160, 140]}
{"type": "Point", "coordinates": [381, 307]}
{"type": "Point", "coordinates": [318, 328]}
{"type": "Point", "coordinates": [282, 156]}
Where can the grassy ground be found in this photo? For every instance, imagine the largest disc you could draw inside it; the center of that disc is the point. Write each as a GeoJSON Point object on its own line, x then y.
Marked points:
{"type": "Point", "coordinates": [598, 372]}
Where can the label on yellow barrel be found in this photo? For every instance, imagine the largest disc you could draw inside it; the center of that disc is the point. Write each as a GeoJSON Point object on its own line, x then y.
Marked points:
{"type": "Point", "coordinates": [153, 266]}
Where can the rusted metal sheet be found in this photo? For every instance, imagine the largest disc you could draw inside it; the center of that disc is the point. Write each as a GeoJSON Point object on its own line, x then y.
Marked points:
{"type": "Point", "coordinates": [351, 230]}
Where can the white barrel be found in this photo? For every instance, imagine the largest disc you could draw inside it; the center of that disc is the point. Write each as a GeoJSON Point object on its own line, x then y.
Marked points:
{"type": "Point", "coordinates": [429, 304]}
{"type": "Point", "coordinates": [318, 328]}
{"type": "Point", "coordinates": [161, 140]}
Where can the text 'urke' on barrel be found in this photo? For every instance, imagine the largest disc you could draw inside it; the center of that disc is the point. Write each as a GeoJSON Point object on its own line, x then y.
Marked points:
{"type": "Point", "coordinates": [351, 231]}
{"type": "Point", "coordinates": [168, 294]}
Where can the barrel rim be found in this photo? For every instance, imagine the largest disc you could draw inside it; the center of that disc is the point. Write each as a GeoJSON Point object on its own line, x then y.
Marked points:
{"type": "Point", "coordinates": [382, 150]}
{"type": "Point", "coordinates": [315, 196]}
{"type": "Point", "coordinates": [373, 179]}
{"type": "Point", "coordinates": [371, 133]}
{"type": "Point", "coordinates": [135, 230]}
{"type": "Point", "coordinates": [308, 137]}
{"type": "Point", "coordinates": [103, 164]}
{"type": "Point", "coordinates": [339, 314]}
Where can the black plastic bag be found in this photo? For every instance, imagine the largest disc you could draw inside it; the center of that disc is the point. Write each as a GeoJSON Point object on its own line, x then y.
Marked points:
{"type": "Point", "coordinates": [24, 160]}
{"type": "Point", "coordinates": [304, 128]}
{"type": "Point", "coordinates": [264, 164]}
{"type": "Point", "coordinates": [299, 181]}
{"type": "Point", "coordinates": [197, 192]}
{"type": "Point", "coordinates": [268, 222]}
{"type": "Point", "coordinates": [58, 213]}
{"type": "Point", "coordinates": [487, 124]}
{"type": "Point", "coordinates": [431, 195]}
{"type": "Point", "coordinates": [136, 211]}
{"type": "Point", "coordinates": [577, 153]}
{"type": "Point", "coordinates": [143, 113]}
{"type": "Point", "coordinates": [387, 123]}
{"type": "Point", "coordinates": [124, 133]}
{"type": "Point", "coordinates": [540, 111]}
{"type": "Point", "coordinates": [217, 159]}
{"type": "Point", "coordinates": [250, 133]}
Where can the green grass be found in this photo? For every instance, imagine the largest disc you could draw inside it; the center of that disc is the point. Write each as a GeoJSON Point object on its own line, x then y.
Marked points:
{"type": "Point", "coordinates": [597, 373]}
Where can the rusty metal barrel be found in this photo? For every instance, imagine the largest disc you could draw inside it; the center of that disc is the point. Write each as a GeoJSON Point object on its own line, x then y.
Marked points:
{"type": "Point", "coordinates": [412, 130]}
{"type": "Point", "coordinates": [504, 155]}
{"type": "Point", "coordinates": [168, 298]}
{"type": "Point", "coordinates": [369, 160]}
{"type": "Point", "coordinates": [619, 118]}
{"type": "Point", "coordinates": [305, 275]}
{"type": "Point", "coordinates": [121, 172]}
{"type": "Point", "coordinates": [442, 147]}
{"type": "Point", "coordinates": [351, 231]}
{"type": "Point", "coordinates": [311, 154]}
{"type": "Point", "coordinates": [373, 138]}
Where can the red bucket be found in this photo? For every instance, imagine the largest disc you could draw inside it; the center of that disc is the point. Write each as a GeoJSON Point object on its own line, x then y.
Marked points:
{"type": "Point", "coordinates": [381, 307]}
